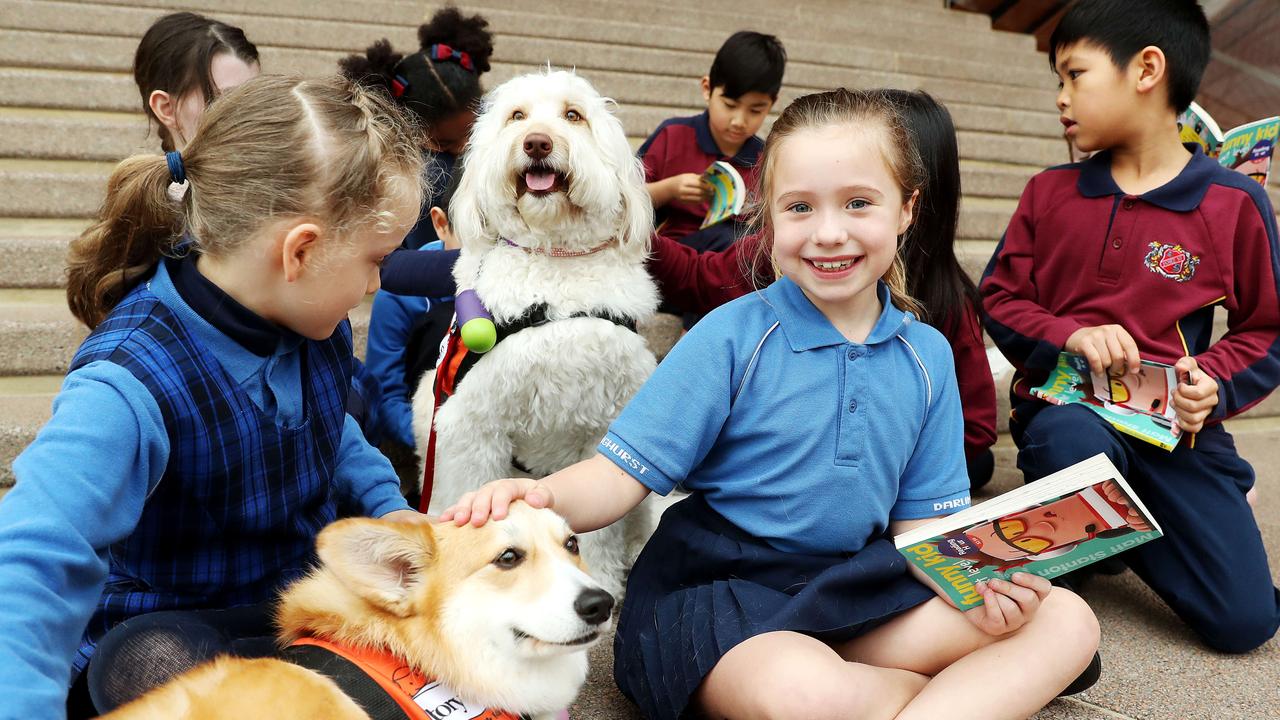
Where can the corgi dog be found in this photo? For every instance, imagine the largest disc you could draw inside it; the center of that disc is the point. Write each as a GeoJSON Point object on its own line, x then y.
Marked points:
{"type": "Point", "coordinates": [489, 622]}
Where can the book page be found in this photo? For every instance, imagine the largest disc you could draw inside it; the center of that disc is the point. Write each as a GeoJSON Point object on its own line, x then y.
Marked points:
{"type": "Point", "coordinates": [1195, 125]}
{"type": "Point", "coordinates": [729, 192]}
{"type": "Point", "coordinates": [1060, 523]}
{"type": "Point", "coordinates": [1249, 148]}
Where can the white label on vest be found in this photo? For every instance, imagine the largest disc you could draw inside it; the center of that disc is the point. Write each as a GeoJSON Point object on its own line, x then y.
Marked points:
{"type": "Point", "coordinates": [440, 702]}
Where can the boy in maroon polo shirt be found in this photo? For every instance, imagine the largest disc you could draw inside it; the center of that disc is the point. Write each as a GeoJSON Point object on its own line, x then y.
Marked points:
{"type": "Point", "coordinates": [1125, 256]}
{"type": "Point", "coordinates": [740, 91]}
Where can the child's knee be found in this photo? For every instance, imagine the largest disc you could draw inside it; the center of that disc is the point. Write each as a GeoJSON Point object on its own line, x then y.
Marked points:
{"type": "Point", "coordinates": [1072, 621]}
{"type": "Point", "coordinates": [1241, 630]}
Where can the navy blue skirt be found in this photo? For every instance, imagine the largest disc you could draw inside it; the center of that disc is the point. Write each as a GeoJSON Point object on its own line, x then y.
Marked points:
{"type": "Point", "coordinates": [702, 585]}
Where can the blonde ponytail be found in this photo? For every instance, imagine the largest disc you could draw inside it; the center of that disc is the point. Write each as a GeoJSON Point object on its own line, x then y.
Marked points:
{"type": "Point", "coordinates": [137, 223]}
{"type": "Point", "coordinates": [269, 149]}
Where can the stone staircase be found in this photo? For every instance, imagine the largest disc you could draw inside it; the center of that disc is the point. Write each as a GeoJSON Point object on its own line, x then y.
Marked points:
{"type": "Point", "coordinates": [69, 111]}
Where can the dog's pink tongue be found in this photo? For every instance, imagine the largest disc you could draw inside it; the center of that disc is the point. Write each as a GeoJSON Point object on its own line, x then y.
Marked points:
{"type": "Point", "coordinates": [539, 181]}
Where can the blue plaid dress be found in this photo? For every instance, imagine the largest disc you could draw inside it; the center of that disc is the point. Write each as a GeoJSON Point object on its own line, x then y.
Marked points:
{"type": "Point", "coordinates": [242, 498]}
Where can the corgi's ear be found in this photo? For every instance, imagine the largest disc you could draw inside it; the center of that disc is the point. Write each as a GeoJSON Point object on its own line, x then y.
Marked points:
{"type": "Point", "coordinates": [381, 561]}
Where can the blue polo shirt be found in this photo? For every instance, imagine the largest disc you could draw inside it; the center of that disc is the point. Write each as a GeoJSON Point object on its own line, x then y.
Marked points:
{"type": "Point", "coordinates": [816, 444]}
{"type": "Point", "coordinates": [685, 145]}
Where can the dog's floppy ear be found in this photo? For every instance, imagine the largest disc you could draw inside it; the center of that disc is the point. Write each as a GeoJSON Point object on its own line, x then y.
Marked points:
{"type": "Point", "coordinates": [465, 216]}
{"type": "Point", "coordinates": [637, 206]}
{"type": "Point", "coordinates": [379, 560]}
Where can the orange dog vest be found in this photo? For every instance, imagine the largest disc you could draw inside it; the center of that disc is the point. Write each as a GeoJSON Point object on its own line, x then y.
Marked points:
{"type": "Point", "coordinates": [420, 697]}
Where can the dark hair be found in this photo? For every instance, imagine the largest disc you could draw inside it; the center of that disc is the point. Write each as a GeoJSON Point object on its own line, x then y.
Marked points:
{"type": "Point", "coordinates": [450, 189]}
{"type": "Point", "coordinates": [749, 62]}
{"type": "Point", "coordinates": [430, 89]}
{"type": "Point", "coordinates": [934, 275]}
{"type": "Point", "coordinates": [1123, 27]}
{"type": "Point", "coordinates": [174, 56]}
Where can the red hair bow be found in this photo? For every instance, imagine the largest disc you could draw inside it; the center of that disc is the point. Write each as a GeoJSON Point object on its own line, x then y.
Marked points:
{"type": "Point", "coordinates": [444, 52]}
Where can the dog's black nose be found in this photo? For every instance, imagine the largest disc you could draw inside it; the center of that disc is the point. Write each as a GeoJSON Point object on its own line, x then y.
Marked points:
{"type": "Point", "coordinates": [593, 606]}
{"type": "Point", "coordinates": [537, 145]}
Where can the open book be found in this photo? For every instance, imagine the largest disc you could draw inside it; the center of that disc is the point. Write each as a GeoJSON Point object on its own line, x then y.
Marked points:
{"type": "Point", "coordinates": [1052, 526]}
{"type": "Point", "coordinates": [1247, 148]}
{"type": "Point", "coordinates": [728, 192]}
{"type": "Point", "coordinates": [1139, 405]}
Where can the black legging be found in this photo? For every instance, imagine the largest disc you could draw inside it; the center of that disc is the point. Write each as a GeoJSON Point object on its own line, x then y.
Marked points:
{"type": "Point", "coordinates": [147, 651]}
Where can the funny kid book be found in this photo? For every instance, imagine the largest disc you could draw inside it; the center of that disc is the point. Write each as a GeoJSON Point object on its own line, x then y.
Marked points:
{"type": "Point", "coordinates": [1072, 518]}
{"type": "Point", "coordinates": [728, 192]}
{"type": "Point", "coordinates": [1247, 148]}
{"type": "Point", "coordinates": [1140, 405]}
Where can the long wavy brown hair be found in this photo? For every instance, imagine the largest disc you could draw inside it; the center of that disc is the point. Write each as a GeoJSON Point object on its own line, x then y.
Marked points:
{"type": "Point", "coordinates": [271, 149]}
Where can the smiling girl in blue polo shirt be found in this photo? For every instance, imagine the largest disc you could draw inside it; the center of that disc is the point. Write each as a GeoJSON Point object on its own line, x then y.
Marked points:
{"type": "Point", "coordinates": [810, 422]}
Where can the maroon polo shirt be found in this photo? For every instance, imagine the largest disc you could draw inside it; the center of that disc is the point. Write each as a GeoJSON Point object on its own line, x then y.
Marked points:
{"type": "Point", "coordinates": [685, 145]}
{"type": "Point", "coordinates": [1079, 252]}
{"type": "Point", "coordinates": [701, 282]}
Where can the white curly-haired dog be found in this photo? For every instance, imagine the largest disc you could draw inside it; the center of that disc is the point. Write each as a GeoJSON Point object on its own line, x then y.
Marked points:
{"type": "Point", "coordinates": [554, 223]}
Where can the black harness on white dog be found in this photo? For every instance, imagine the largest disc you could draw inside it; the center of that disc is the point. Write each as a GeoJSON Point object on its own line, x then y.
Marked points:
{"type": "Point", "coordinates": [457, 360]}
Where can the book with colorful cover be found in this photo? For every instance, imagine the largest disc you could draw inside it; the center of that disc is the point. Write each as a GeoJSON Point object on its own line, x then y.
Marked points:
{"type": "Point", "coordinates": [1140, 405]}
{"type": "Point", "coordinates": [1247, 148]}
{"type": "Point", "coordinates": [728, 192]}
{"type": "Point", "coordinates": [1063, 522]}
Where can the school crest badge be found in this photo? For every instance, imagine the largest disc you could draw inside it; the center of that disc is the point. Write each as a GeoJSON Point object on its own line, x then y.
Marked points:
{"type": "Point", "coordinates": [1171, 261]}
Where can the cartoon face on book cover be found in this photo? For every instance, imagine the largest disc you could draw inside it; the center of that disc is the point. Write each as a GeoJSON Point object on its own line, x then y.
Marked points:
{"type": "Point", "coordinates": [1049, 539]}
{"type": "Point", "coordinates": [1254, 162]}
{"type": "Point", "coordinates": [1144, 397]}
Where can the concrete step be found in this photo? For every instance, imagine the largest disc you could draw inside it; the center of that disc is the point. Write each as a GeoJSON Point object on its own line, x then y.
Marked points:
{"type": "Point", "coordinates": [534, 38]}
{"type": "Point", "coordinates": [52, 188]}
{"type": "Point", "coordinates": [21, 48]}
{"type": "Point", "coordinates": [38, 334]}
{"type": "Point", "coordinates": [877, 44]}
{"type": "Point", "coordinates": [822, 10]}
{"type": "Point", "coordinates": [24, 408]}
{"type": "Point", "coordinates": [33, 251]}
{"type": "Point", "coordinates": [30, 132]}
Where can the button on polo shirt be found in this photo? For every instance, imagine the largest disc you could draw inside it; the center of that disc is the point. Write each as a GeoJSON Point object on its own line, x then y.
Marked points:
{"type": "Point", "coordinates": [821, 443]}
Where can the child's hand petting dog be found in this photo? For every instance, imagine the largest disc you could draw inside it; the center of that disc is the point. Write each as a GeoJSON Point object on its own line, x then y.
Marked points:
{"type": "Point", "coordinates": [493, 499]}
{"type": "Point", "coordinates": [1196, 395]}
{"type": "Point", "coordinates": [1007, 606]}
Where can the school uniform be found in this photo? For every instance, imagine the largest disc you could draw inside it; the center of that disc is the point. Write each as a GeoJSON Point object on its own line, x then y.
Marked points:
{"type": "Point", "coordinates": [799, 448]}
{"type": "Point", "coordinates": [401, 326]}
{"type": "Point", "coordinates": [701, 282]}
{"type": "Point", "coordinates": [194, 452]}
{"type": "Point", "coordinates": [685, 145]}
{"type": "Point", "coordinates": [1080, 252]}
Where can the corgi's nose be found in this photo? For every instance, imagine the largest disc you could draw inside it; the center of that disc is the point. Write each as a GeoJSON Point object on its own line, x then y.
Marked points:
{"type": "Point", "coordinates": [537, 145]}
{"type": "Point", "coordinates": [593, 606]}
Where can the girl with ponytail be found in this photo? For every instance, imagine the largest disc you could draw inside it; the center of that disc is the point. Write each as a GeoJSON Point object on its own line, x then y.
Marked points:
{"type": "Point", "coordinates": [199, 441]}
{"type": "Point", "coordinates": [438, 86]}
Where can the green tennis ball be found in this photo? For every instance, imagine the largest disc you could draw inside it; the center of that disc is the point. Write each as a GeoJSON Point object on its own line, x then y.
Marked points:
{"type": "Point", "coordinates": [479, 335]}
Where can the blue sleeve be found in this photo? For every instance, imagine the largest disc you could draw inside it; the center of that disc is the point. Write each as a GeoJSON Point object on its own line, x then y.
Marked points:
{"type": "Point", "coordinates": [390, 324]}
{"type": "Point", "coordinates": [674, 419]}
{"type": "Point", "coordinates": [936, 479]}
{"type": "Point", "coordinates": [420, 274]}
{"type": "Point", "coordinates": [364, 478]}
{"type": "Point", "coordinates": [81, 486]}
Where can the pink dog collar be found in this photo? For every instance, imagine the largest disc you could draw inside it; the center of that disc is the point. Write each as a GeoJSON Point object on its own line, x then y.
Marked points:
{"type": "Point", "coordinates": [561, 252]}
